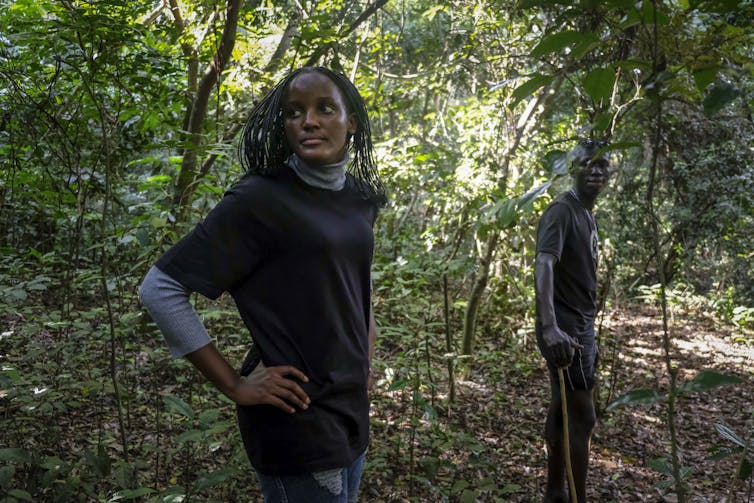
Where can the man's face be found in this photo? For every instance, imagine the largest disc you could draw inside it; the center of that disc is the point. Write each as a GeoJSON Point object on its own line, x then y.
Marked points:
{"type": "Point", "coordinates": [592, 170]}
{"type": "Point", "coordinates": [316, 118]}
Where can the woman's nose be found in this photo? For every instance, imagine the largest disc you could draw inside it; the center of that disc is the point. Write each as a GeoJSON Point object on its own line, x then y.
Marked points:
{"type": "Point", "coordinates": [310, 118]}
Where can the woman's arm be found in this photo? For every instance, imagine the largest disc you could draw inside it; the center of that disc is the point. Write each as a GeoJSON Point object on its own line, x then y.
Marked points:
{"type": "Point", "coordinates": [265, 385]}
{"type": "Point", "coordinates": [167, 301]}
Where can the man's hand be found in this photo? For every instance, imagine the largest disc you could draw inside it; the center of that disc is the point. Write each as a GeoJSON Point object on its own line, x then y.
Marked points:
{"type": "Point", "coordinates": [559, 346]}
{"type": "Point", "coordinates": [269, 385]}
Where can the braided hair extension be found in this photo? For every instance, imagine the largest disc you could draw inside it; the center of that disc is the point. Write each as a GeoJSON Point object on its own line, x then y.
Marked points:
{"type": "Point", "coordinates": [264, 148]}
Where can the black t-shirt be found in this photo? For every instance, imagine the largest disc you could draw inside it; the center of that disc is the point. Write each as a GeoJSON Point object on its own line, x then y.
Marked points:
{"type": "Point", "coordinates": [296, 260]}
{"type": "Point", "coordinates": [567, 230]}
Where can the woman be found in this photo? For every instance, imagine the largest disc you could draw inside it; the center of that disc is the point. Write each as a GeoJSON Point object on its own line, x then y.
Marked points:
{"type": "Point", "coordinates": [292, 243]}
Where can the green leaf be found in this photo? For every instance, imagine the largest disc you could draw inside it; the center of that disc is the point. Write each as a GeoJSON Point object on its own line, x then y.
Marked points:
{"type": "Point", "coordinates": [176, 404]}
{"type": "Point", "coordinates": [705, 76]}
{"type": "Point", "coordinates": [528, 88]}
{"type": "Point", "coordinates": [586, 44]}
{"type": "Point", "coordinates": [746, 469]}
{"type": "Point", "coordinates": [717, 452]}
{"type": "Point", "coordinates": [556, 42]}
{"type": "Point", "coordinates": [459, 485]}
{"type": "Point", "coordinates": [639, 396]}
{"type": "Point", "coordinates": [599, 83]}
{"type": "Point", "coordinates": [213, 478]}
{"type": "Point", "coordinates": [525, 202]}
{"type": "Point", "coordinates": [602, 121]}
{"type": "Point", "coordinates": [720, 95]}
{"type": "Point", "coordinates": [6, 475]}
{"type": "Point", "coordinates": [556, 162]}
{"type": "Point", "coordinates": [707, 380]}
{"type": "Point", "coordinates": [661, 465]}
{"type": "Point", "coordinates": [468, 496]}
{"type": "Point", "coordinates": [398, 385]}
{"type": "Point", "coordinates": [20, 494]}
{"type": "Point", "coordinates": [175, 494]}
{"type": "Point", "coordinates": [529, 4]}
{"type": "Point", "coordinates": [130, 494]}
{"type": "Point", "coordinates": [632, 19]}
{"type": "Point", "coordinates": [510, 489]}
{"type": "Point", "coordinates": [505, 212]}
{"type": "Point", "coordinates": [15, 454]}
{"type": "Point", "coordinates": [100, 461]}
{"type": "Point", "coordinates": [190, 436]}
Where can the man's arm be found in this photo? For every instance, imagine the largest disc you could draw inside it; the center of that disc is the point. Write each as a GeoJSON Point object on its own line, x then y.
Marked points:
{"type": "Point", "coordinates": [558, 344]}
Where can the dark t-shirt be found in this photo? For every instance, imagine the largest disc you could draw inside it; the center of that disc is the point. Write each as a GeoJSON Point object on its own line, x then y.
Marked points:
{"type": "Point", "coordinates": [567, 231]}
{"type": "Point", "coordinates": [296, 260]}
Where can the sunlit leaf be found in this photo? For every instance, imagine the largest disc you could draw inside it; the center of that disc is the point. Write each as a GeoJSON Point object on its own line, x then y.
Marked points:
{"type": "Point", "coordinates": [556, 42]}
{"type": "Point", "coordinates": [707, 380]}
{"type": "Point", "coordinates": [728, 434]}
{"type": "Point", "coordinates": [599, 83]}
{"type": "Point", "coordinates": [637, 397]}
{"type": "Point", "coordinates": [529, 4]}
{"type": "Point", "coordinates": [528, 88]}
{"type": "Point", "coordinates": [525, 201]}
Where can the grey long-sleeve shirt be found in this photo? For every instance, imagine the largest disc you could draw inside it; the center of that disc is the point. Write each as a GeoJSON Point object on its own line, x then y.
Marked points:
{"type": "Point", "coordinates": [168, 303]}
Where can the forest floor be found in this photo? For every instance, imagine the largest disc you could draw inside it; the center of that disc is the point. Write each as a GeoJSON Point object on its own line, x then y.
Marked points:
{"type": "Point", "coordinates": [489, 447]}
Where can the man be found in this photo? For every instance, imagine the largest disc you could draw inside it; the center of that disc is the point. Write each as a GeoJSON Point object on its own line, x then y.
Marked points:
{"type": "Point", "coordinates": [566, 283]}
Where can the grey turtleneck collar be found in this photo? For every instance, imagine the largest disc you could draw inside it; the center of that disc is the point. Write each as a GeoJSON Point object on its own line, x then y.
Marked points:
{"type": "Point", "coordinates": [326, 176]}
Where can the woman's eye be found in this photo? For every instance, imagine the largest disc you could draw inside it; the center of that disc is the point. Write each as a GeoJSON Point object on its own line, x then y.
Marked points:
{"type": "Point", "coordinates": [292, 113]}
{"type": "Point", "coordinates": [328, 109]}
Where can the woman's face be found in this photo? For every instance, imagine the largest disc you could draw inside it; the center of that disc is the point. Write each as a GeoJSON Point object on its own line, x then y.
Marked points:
{"type": "Point", "coordinates": [317, 121]}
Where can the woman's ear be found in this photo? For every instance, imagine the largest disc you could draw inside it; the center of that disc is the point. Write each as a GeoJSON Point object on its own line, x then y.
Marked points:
{"type": "Point", "coordinates": [353, 124]}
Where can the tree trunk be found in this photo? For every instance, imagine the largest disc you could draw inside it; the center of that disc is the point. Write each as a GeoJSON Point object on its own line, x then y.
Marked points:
{"type": "Point", "coordinates": [197, 113]}
{"type": "Point", "coordinates": [483, 274]}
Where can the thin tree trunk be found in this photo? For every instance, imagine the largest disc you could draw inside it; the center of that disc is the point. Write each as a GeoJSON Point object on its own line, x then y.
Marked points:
{"type": "Point", "coordinates": [680, 490]}
{"type": "Point", "coordinates": [483, 273]}
{"type": "Point", "coordinates": [197, 112]}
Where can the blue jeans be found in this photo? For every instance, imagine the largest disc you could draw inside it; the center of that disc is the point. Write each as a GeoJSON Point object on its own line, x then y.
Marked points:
{"type": "Point", "coordinates": [340, 485]}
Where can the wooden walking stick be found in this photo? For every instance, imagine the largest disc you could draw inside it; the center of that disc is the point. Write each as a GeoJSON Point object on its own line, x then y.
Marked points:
{"type": "Point", "coordinates": [567, 437]}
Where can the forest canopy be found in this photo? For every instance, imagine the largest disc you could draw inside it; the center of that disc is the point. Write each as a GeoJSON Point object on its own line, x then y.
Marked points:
{"type": "Point", "coordinates": [119, 125]}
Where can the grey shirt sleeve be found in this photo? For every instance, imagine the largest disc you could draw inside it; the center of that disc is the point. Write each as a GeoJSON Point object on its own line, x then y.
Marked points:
{"type": "Point", "coordinates": [167, 301]}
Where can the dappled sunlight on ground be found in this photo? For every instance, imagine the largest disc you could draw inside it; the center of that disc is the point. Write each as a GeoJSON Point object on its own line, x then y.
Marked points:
{"type": "Point", "coordinates": [491, 438]}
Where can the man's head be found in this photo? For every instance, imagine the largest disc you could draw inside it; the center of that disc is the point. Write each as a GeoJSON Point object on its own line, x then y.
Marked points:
{"type": "Point", "coordinates": [590, 167]}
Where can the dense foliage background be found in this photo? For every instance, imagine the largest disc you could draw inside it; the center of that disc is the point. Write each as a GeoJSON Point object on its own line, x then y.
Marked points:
{"type": "Point", "coordinates": [118, 123]}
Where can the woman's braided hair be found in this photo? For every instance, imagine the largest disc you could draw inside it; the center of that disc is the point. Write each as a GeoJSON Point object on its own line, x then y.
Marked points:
{"type": "Point", "coordinates": [264, 147]}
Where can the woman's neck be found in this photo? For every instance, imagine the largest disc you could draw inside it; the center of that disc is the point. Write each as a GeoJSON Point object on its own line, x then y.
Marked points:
{"type": "Point", "coordinates": [325, 176]}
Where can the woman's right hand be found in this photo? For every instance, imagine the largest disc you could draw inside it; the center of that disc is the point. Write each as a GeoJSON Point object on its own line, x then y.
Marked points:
{"type": "Point", "coordinates": [269, 385]}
